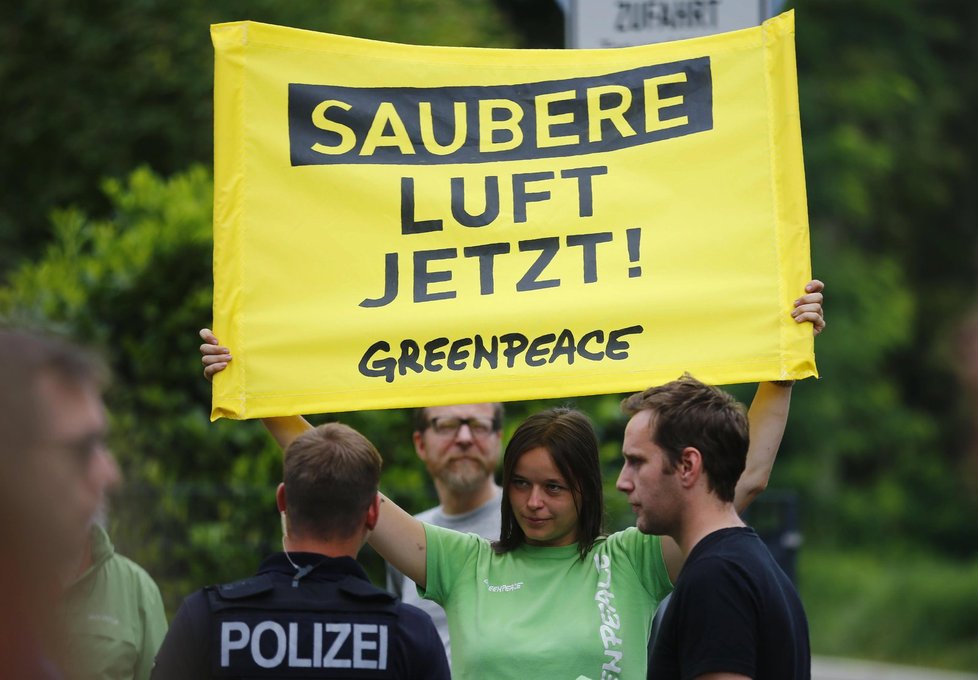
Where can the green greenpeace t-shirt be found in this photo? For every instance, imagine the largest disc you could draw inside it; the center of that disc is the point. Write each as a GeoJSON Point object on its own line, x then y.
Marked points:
{"type": "Point", "coordinates": [543, 612]}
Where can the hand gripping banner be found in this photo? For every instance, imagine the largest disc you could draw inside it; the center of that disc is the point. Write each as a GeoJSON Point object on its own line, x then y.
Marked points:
{"type": "Point", "coordinates": [398, 225]}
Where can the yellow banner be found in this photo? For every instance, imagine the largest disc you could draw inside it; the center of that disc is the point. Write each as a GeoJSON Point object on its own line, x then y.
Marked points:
{"type": "Point", "coordinates": [398, 225]}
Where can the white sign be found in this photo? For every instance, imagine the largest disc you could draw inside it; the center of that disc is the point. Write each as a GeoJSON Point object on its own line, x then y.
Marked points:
{"type": "Point", "coordinates": [623, 23]}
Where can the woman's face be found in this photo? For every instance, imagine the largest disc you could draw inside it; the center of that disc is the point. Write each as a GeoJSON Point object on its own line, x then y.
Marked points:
{"type": "Point", "coordinates": [542, 501]}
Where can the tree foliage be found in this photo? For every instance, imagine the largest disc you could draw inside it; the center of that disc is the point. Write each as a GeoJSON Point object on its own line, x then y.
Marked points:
{"type": "Point", "coordinates": [95, 89]}
{"type": "Point", "coordinates": [878, 446]}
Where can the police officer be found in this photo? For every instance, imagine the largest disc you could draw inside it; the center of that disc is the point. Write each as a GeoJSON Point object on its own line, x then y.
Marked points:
{"type": "Point", "coordinates": [310, 611]}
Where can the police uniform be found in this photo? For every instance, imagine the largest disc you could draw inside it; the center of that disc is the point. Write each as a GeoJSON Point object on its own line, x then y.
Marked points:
{"type": "Point", "coordinates": [323, 620]}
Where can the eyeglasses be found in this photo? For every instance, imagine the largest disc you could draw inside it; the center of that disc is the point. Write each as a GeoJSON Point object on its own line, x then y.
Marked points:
{"type": "Point", "coordinates": [479, 427]}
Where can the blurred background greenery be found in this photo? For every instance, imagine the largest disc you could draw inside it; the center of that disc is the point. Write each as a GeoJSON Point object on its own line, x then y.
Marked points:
{"type": "Point", "coordinates": [105, 234]}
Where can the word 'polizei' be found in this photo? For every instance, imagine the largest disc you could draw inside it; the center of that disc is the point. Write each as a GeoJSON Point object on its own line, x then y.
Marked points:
{"type": "Point", "coordinates": [475, 124]}
{"type": "Point", "coordinates": [272, 644]}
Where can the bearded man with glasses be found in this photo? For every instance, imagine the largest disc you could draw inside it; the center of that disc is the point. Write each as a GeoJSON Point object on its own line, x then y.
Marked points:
{"type": "Point", "coordinates": [460, 447]}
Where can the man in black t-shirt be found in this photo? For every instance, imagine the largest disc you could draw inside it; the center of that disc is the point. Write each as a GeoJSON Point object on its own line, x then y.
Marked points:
{"type": "Point", "coordinates": [310, 611]}
{"type": "Point", "coordinates": [733, 613]}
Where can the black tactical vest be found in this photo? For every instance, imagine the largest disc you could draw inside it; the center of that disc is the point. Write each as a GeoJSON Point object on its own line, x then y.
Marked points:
{"type": "Point", "coordinates": [271, 627]}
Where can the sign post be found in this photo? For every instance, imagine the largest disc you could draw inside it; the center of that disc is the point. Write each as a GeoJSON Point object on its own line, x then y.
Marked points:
{"type": "Point", "coordinates": [624, 23]}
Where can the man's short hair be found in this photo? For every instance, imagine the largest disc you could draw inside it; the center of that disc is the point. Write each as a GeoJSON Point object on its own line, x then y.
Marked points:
{"type": "Point", "coordinates": [331, 476]}
{"type": "Point", "coordinates": [420, 417]}
{"type": "Point", "coordinates": [688, 413]}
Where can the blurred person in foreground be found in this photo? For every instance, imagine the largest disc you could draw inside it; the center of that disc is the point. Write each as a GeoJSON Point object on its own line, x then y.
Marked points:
{"type": "Point", "coordinates": [734, 614]}
{"type": "Point", "coordinates": [311, 610]}
{"type": "Point", "coordinates": [54, 472]}
{"type": "Point", "coordinates": [111, 615]}
{"type": "Point", "coordinates": [460, 446]}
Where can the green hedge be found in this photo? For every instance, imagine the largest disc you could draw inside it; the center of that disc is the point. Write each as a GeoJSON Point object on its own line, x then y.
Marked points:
{"type": "Point", "coordinates": [895, 607]}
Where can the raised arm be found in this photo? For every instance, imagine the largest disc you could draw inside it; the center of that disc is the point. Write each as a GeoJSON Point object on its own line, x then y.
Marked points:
{"type": "Point", "coordinates": [398, 537]}
{"type": "Point", "coordinates": [767, 417]}
{"type": "Point", "coordinates": [768, 412]}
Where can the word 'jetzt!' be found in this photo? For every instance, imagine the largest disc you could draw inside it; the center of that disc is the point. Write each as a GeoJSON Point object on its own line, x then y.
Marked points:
{"type": "Point", "coordinates": [424, 275]}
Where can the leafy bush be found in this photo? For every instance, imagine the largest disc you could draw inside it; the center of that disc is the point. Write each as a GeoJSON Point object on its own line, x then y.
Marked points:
{"type": "Point", "coordinates": [136, 286]}
{"type": "Point", "coordinates": [95, 89]}
{"type": "Point", "coordinates": [894, 606]}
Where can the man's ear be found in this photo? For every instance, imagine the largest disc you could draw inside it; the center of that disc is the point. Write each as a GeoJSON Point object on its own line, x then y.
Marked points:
{"type": "Point", "coordinates": [280, 497]}
{"type": "Point", "coordinates": [418, 439]}
{"type": "Point", "coordinates": [373, 513]}
{"type": "Point", "coordinates": [690, 466]}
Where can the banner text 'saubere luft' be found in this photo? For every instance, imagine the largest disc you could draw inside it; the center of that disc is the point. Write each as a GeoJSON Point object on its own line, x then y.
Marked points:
{"type": "Point", "coordinates": [398, 225]}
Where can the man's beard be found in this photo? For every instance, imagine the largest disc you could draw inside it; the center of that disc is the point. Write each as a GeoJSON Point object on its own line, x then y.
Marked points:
{"type": "Point", "coordinates": [464, 476]}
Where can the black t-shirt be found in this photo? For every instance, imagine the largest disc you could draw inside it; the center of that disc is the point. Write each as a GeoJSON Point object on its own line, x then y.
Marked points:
{"type": "Point", "coordinates": [331, 622]}
{"type": "Point", "coordinates": [733, 610]}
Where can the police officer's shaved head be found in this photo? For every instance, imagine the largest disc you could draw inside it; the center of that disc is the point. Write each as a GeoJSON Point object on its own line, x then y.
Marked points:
{"type": "Point", "coordinates": [331, 476]}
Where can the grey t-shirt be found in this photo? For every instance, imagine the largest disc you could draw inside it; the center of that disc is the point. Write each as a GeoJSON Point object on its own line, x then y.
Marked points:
{"type": "Point", "coordinates": [483, 521]}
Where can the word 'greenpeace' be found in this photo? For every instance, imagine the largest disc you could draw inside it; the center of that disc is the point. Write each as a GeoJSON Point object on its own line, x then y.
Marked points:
{"type": "Point", "coordinates": [380, 361]}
